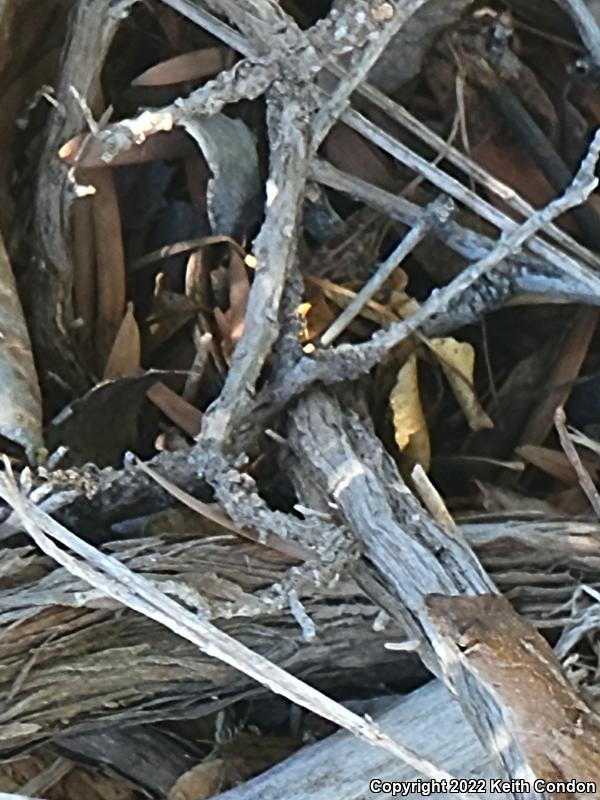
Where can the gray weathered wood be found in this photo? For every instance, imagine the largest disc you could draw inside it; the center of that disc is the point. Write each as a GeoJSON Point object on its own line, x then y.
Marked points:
{"type": "Point", "coordinates": [340, 767]}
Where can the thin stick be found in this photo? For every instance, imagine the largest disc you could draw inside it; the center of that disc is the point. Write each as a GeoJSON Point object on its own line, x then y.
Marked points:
{"type": "Point", "coordinates": [446, 183]}
{"type": "Point", "coordinates": [587, 25]}
{"type": "Point", "coordinates": [470, 168]}
{"type": "Point", "coordinates": [433, 500]}
{"type": "Point", "coordinates": [438, 211]}
{"type": "Point", "coordinates": [527, 276]}
{"type": "Point", "coordinates": [136, 592]}
{"type": "Point", "coordinates": [583, 476]}
{"type": "Point", "coordinates": [399, 114]}
{"type": "Point", "coordinates": [349, 361]}
{"type": "Point", "coordinates": [337, 101]}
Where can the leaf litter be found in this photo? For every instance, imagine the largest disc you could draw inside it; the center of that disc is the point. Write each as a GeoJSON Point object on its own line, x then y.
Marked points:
{"type": "Point", "coordinates": [219, 209]}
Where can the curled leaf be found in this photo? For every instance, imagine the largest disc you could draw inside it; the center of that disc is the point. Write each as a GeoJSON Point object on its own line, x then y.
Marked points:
{"type": "Point", "coordinates": [410, 426]}
{"type": "Point", "coordinates": [229, 148]}
{"type": "Point", "coordinates": [457, 360]}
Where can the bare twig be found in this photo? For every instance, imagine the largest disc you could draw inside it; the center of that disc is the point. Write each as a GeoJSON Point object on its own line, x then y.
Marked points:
{"type": "Point", "coordinates": [338, 99]}
{"type": "Point", "coordinates": [587, 25]}
{"type": "Point", "coordinates": [275, 250]}
{"type": "Point", "coordinates": [115, 580]}
{"type": "Point", "coordinates": [470, 168]}
{"type": "Point", "coordinates": [247, 80]}
{"type": "Point", "coordinates": [436, 213]}
{"type": "Point", "coordinates": [350, 361]}
{"type": "Point", "coordinates": [199, 15]}
{"type": "Point", "coordinates": [583, 476]}
{"type": "Point", "coordinates": [432, 499]}
{"type": "Point", "coordinates": [416, 127]}
{"type": "Point", "coordinates": [454, 188]}
{"type": "Point", "coordinates": [528, 274]}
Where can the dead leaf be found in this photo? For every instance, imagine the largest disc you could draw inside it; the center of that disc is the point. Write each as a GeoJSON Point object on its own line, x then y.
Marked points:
{"type": "Point", "coordinates": [229, 149]}
{"type": "Point", "coordinates": [215, 513]}
{"type": "Point", "coordinates": [410, 426]}
{"type": "Point", "coordinates": [124, 358]}
{"type": "Point", "coordinates": [197, 65]}
{"type": "Point", "coordinates": [179, 411]}
{"type": "Point", "coordinates": [239, 291]}
{"type": "Point", "coordinates": [555, 463]}
{"type": "Point", "coordinates": [103, 424]}
{"type": "Point", "coordinates": [110, 262]}
{"type": "Point", "coordinates": [351, 152]}
{"type": "Point", "coordinates": [84, 274]}
{"type": "Point", "coordinates": [457, 360]}
{"type": "Point", "coordinates": [222, 320]}
{"type": "Point", "coordinates": [170, 312]}
{"type": "Point", "coordinates": [21, 406]}
{"type": "Point", "coordinates": [316, 316]}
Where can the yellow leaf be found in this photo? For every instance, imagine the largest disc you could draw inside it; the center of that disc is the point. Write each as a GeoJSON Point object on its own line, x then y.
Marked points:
{"type": "Point", "coordinates": [124, 358]}
{"type": "Point", "coordinates": [410, 427]}
{"type": "Point", "coordinates": [457, 360]}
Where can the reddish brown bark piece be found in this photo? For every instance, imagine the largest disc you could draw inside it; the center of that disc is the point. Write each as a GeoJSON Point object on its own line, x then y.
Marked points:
{"type": "Point", "coordinates": [558, 733]}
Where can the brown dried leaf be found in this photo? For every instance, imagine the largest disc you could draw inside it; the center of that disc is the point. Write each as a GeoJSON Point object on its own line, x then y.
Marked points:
{"type": "Point", "coordinates": [20, 406]}
{"type": "Point", "coordinates": [110, 260]}
{"type": "Point", "coordinates": [239, 290]}
{"type": "Point", "coordinates": [223, 324]}
{"type": "Point", "coordinates": [350, 152]}
{"type": "Point", "coordinates": [515, 168]}
{"type": "Point", "coordinates": [195, 66]}
{"type": "Point", "coordinates": [178, 410]}
{"type": "Point", "coordinates": [215, 513]}
{"type": "Point", "coordinates": [555, 463]}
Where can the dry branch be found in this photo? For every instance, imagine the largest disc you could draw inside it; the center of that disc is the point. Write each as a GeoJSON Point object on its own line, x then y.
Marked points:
{"type": "Point", "coordinates": [308, 774]}
{"type": "Point", "coordinates": [112, 578]}
{"type": "Point", "coordinates": [124, 662]}
{"type": "Point", "coordinates": [348, 362]}
{"type": "Point", "coordinates": [333, 454]}
{"type": "Point", "coordinates": [92, 27]}
{"type": "Point", "coordinates": [411, 554]}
